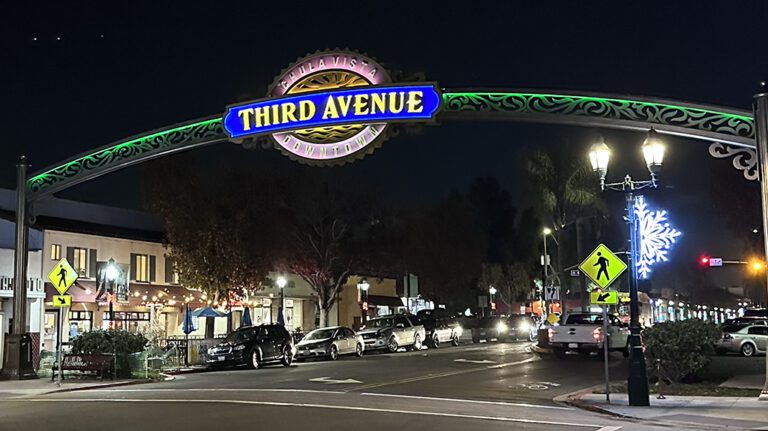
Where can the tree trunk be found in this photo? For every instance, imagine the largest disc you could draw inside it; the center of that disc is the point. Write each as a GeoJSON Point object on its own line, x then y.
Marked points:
{"type": "Point", "coordinates": [584, 296]}
{"type": "Point", "coordinates": [209, 326]}
{"type": "Point", "coordinates": [323, 317]}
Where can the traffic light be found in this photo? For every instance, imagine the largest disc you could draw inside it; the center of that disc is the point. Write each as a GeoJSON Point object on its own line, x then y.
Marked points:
{"type": "Point", "coordinates": [704, 260]}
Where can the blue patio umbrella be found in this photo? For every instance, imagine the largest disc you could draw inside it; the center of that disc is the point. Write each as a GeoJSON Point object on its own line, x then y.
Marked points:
{"type": "Point", "coordinates": [188, 326]}
{"type": "Point", "coordinates": [208, 312]}
{"type": "Point", "coordinates": [280, 319]}
{"type": "Point", "coordinates": [246, 320]}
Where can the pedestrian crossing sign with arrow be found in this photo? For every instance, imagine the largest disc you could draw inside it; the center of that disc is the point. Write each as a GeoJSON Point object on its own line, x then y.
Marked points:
{"type": "Point", "coordinates": [62, 276]}
{"type": "Point", "coordinates": [61, 301]}
{"type": "Point", "coordinates": [601, 298]}
{"type": "Point", "coordinates": [602, 266]}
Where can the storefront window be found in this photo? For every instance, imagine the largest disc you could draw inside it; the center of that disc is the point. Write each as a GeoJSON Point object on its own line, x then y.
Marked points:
{"type": "Point", "coordinates": [79, 322]}
{"type": "Point", "coordinates": [131, 321]}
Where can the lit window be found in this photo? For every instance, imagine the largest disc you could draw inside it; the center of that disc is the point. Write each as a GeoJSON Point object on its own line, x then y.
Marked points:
{"type": "Point", "coordinates": [55, 251]}
{"type": "Point", "coordinates": [142, 267]}
{"type": "Point", "coordinates": [80, 258]}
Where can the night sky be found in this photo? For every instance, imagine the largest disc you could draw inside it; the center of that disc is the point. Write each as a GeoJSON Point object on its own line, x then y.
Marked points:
{"type": "Point", "coordinates": [76, 77]}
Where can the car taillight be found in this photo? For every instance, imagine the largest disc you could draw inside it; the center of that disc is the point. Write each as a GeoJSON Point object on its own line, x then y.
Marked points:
{"type": "Point", "coordinates": [597, 334]}
{"type": "Point", "coordinates": [551, 333]}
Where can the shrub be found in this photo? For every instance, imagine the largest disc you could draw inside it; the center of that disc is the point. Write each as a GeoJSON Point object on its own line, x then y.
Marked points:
{"type": "Point", "coordinates": [683, 348]}
{"type": "Point", "coordinates": [121, 343]}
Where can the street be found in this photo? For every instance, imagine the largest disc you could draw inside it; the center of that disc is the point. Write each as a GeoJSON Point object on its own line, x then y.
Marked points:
{"type": "Point", "coordinates": [488, 385]}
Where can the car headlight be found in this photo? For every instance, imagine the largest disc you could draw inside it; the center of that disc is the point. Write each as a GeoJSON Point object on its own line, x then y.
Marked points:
{"type": "Point", "coordinates": [524, 327]}
{"type": "Point", "coordinates": [502, 327]}
{"type": "Point", "coordinates": [459, 331]}
{"type": "Point", "coordinates": [240, 347]}
{"type": "Point", "coordinates": [210, 351]}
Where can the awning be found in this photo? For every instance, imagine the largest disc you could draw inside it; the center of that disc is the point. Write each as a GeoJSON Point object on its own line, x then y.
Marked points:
{"type": "Point", "coordinates": [85, 291]}
{"type": "Point", "coordinates": [389, 301]}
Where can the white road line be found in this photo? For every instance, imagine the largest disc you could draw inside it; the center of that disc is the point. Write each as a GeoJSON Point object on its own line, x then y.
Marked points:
{"type": "Point", "coordinates": [497, 403]}
{"type": "Point", "coordinates": [609, 429]}
{"type": "Point", "coordinates": [311, 391]}
{"type": "Point", "coordinates": [306, 405]}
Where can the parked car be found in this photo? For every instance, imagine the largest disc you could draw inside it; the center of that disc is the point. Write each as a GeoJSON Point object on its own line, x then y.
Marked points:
{"type": "Point", "coordinates": [746, 339]}
{"type": "Point", "coordinates": [330, 343]}
{"type": "Point", "coordinates": [583, 333]}
{"type": "Point", "coordinates": [438, 330]}
{"type": "Point", "coordinates": [746, 321]}
{"type": "Point", "coordinates": [391, 333]}
{"type": "Point", "coordinates": [253, 346]}
{"type": "Point", "coordinates": [489, 328]}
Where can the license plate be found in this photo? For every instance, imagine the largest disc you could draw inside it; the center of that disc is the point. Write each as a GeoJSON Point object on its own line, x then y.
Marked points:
{"type": "Point", "coordinates": [573, 345]}
{"type": "Point", "coordinates": [219, 358]}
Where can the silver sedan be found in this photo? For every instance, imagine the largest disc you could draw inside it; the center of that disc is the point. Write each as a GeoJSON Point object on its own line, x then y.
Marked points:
{"type": "Point", "coordinates": [330, 343]}
{"type": "Point", "coordinates": [746, 339]}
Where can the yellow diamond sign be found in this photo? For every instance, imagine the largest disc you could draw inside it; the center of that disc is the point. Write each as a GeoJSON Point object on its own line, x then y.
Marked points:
{"type": "Point", "coordinates": [602, 266]}
{"type": "Point", "coordinates": [62, 276]}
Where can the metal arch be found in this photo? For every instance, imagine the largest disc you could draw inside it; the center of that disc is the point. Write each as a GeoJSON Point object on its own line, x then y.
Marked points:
{"type": "Point", "coordinates": [714, 124]}
{"type": "Point", "coordinates": [725, 127]}
{"type": "Point", "coordinates": [124, 153]}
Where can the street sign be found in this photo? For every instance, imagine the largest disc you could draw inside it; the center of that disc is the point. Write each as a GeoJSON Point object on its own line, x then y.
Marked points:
{"type": "Point", "coordinates": [715, 261]}
{"type": "Point", "coordinates": [602, 266]}
{"type": "Point", "coordinates": [551, 293]}
{"type": "Point", "coordinates": [610, 297]}
{"type": "Point", "coordinates": [552, 318]}
{"type": "Point", "coordinates": [61, 301]}
{"type": "Point", "coordinates": [62, 276]}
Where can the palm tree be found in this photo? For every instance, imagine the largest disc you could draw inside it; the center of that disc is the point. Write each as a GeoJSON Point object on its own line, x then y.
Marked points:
{"type": "Point", "coordinates": [568, 190]}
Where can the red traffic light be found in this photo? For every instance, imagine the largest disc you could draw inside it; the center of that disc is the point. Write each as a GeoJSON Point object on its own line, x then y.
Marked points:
{"type": "Point", "coordinates": [704, 260]}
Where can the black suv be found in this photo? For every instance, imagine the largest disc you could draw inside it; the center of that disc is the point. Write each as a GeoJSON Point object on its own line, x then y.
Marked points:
{"type": "Point", "coordinates": [253, 346]}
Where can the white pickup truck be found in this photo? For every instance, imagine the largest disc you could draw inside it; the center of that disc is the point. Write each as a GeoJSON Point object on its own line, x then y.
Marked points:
{"type": "Point", "coordinates": [583, 333]}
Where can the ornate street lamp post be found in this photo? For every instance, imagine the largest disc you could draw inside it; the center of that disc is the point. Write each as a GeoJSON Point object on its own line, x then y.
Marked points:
{"type": "Point", "coordinates": [599, 156]}
{"type": "Point", "coordinates": [492, 290]}
{"type": "Point", "coordinates": [281, 282]}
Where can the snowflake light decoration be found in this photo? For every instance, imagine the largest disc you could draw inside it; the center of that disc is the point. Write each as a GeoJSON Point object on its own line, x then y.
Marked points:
{"type": "Point", "coordinates": [655, 237]}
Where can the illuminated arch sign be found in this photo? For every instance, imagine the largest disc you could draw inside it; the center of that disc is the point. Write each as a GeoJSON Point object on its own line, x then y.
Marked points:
{"type": "Point", "coordinates": [331, 107]}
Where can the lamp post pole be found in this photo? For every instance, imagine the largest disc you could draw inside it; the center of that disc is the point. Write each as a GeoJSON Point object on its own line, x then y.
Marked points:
{"type": "Point", "coordinates": [761, 128]}
{"type": "Point", "coordinates": [492, 304]}
{"type": "Point", "coordinates": [281, 282]}
{"type": "Point", "coordinates": [545, 263]}
{"type": "Point", "coordinates": [363, 287]}
{"type": "Point", "coordinates": [653, 152]}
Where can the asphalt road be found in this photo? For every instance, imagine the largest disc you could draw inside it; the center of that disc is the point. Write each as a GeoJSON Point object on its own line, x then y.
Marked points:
{"type": "Point", "coordinates": [485, 386]}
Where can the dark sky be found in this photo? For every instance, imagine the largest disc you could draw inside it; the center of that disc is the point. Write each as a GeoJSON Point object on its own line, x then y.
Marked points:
{"type": "Point", "coordinates": [76, 76]}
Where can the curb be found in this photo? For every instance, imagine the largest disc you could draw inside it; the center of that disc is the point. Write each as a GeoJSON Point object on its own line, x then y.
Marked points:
{"type": "Point", "coordinates": [573, 399]}
{"type": "Point", "coordinates": [190, 371]}
{"type": "Point", "coordinates": [108, 385]}
{"type": "Point", "coordinates": [542, 350]}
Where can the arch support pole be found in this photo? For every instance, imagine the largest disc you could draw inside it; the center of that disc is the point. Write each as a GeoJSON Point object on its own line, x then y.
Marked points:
{"type": "Point", "coordinates": [17, 360]}
{"type": "Point", "coordinates": [761, 127]}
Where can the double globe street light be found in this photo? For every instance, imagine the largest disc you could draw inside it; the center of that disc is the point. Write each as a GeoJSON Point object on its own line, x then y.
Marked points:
{"type": "Point", "coordinates": [599, 156]}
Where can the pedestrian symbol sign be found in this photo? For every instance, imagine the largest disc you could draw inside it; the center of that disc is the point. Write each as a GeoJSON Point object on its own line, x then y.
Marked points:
{"type": "Point", "coordinates": [60, 301]}
{"type": "Point", "coordinates": [602, 266]}
{"type": "Point", "coordinates": [62, 276]}
{"type": "Point", "coordinates": [607, 297]}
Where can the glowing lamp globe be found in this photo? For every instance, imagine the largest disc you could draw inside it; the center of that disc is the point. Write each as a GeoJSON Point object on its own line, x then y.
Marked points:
{"type": "Point", "coordinates": [653, 152]}
{"type": "Point", "coordinates": [599, 156]}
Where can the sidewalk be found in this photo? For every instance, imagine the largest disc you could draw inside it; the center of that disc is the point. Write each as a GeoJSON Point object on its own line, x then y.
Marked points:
{"type": "Point", "coordinates": [699, 412]}
{"type": "Point", "coordinates": [36, 387]}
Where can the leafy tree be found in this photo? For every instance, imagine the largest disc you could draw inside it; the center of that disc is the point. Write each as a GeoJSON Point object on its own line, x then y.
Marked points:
{"type": "Point", "coordinates": [211, 227]}
{"type": "Point", "coordinates": [118, 342]}
{"type": "Point", "coordinates": [513, 281]}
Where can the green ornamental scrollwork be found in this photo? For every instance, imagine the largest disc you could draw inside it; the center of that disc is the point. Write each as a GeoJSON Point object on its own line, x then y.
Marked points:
{"type": "Point", "coordinates": [661, 114]}
{"type": "Point", "coordinates": [127, 152]}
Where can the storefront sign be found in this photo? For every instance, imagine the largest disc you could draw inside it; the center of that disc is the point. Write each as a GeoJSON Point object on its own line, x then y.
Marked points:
{"type": "Point", "coordinates": [330, 107]}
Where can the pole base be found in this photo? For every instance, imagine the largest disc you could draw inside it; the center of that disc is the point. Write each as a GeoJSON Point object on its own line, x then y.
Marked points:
{"type": "Point", "coordinates": [764, 392]}
{"type": "Point", "coordinates": [17, 360]}
{"type": "Point", "coordinates": [637, 384]}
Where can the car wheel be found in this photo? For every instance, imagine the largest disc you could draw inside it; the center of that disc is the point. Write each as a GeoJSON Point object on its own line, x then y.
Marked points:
{"type": "Point", "coordinates": [475, 340]}
{"type": "Point", "coordinates": [287, 358]}
{"type": "Point", "coordinates": [334, 355]}
{"type": "Point", "coordinates": [417, 342]}
{"type": "Point", "coordinates": [559, 353]}
{"type": "Point", "coordinates": [436, 342]}
{"type": "Point", "coordinates": [392, 345]}
{"type": "Point", "coordinates": [359, 350]}
{"type": "Point", "coordinates": [255, 361]}
{"type": "Point", "coordinates": [455, 340]}
{"type": "Point", "coordinates": [747, 350]}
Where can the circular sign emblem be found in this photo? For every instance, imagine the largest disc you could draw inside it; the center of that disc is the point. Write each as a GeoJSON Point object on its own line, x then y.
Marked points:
{"type": "Point", "coordinates": [328, 71]}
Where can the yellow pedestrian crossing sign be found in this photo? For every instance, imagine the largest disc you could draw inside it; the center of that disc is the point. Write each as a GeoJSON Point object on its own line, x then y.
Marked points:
{"type": "Point", "coordinates": [602, 266]}
{"type": "Point", "coordinates": [607, 297]}
{"type": "Point", "coordinates": [60, 301]}
{"type": "Point", "coordinates": [62, 276]}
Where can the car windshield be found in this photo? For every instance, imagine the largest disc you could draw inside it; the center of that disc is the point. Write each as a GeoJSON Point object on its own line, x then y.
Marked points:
{"type": "Point", "coordinates": [584, 319]}
{"type": "Point", "coordinates": [240, 336]}
{"type": "Point", "coordinates": [320, 334]}
{"type": "Point", "coordinates": [380, 323]}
